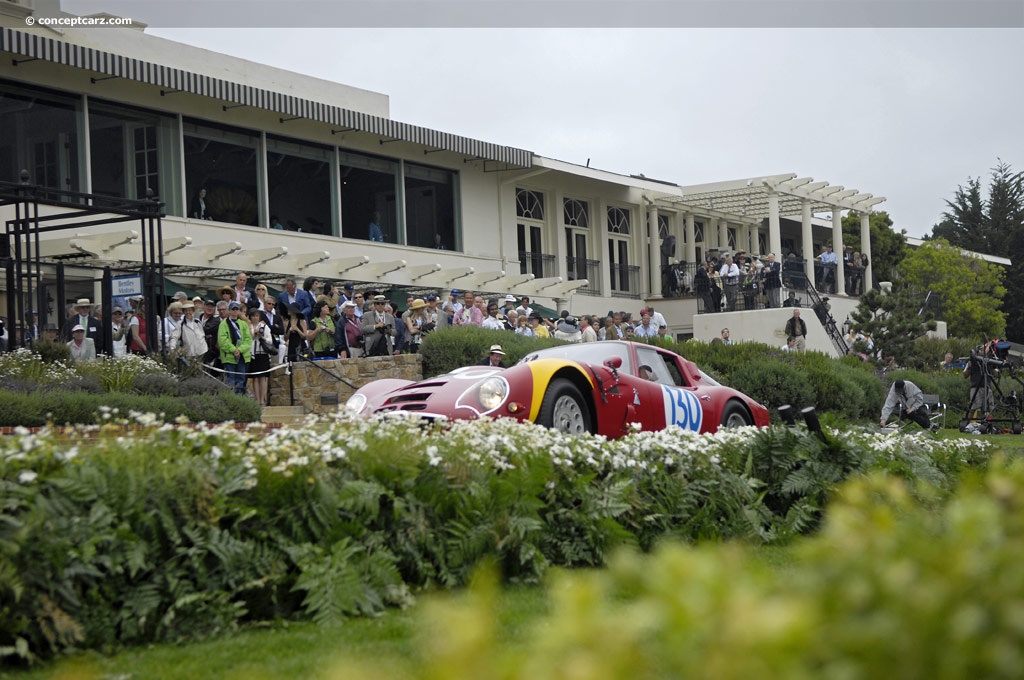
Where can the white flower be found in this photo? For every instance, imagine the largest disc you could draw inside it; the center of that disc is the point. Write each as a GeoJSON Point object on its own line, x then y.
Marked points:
{"type": "Point", "coordinates": [27, 476]}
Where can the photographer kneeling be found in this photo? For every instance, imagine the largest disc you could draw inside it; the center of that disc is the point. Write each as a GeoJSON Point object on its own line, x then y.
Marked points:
{"type": "Point", "coordinates": [910, 399]}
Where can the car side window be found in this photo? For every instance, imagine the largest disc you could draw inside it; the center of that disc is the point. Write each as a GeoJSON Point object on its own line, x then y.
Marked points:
{"type": "Point", "coordinates": [651, 366]}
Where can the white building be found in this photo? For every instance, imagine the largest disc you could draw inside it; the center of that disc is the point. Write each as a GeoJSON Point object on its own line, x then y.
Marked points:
{"type": "Point", "coordinates": [114, 111]}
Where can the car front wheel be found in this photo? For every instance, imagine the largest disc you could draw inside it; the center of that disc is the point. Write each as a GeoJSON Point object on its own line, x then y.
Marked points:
{"type": "Point", "coordinates": [564, 408]}
{"type": "Point", "coordinates": [735, 415]}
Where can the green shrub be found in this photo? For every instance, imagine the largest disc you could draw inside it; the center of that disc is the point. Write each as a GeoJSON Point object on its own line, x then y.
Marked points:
{"type": "Point", "coordinates": [773, 383]}
{"type": "Point", "coordinates": [446, 349]}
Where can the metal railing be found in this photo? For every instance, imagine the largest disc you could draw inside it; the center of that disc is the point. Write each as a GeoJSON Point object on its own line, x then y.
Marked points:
{"type": "Point", "coordinates": [541, 265]}
{"type": "Point", "coordinates": [625, 280]}
{"type": "Point", "coordinates": [582, 268]}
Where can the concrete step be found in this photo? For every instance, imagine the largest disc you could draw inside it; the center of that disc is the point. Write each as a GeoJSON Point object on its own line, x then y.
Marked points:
{"type": "Point", "coordinates": [284, 415]}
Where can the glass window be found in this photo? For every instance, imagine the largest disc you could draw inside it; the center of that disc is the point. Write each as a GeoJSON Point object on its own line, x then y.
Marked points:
{"type": "Point", "coordinates": [369, 191]}
{"type": "Point", "coordinates": [299, 186]}
{"type": "Point", "coordinates": [576, 213]}
{"type": "Point", "coordinates": [618, 220]}
{"type": "Point", "coordinates": [430, 200]}
{"type": "Point", "coordinates": [39, 132]}
{"type": "Point", "coordinates": [529, 204]}
{"type": "Point", "coordinates": [133, 150]}
{"type": "Point", "coordinates": [222, 162]}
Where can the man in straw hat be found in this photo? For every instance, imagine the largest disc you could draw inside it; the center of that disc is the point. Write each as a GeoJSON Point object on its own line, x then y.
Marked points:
{"type": "Point", "coordinates": [83, 317]}
{"type": "Point", "coordinates": [495, 355]}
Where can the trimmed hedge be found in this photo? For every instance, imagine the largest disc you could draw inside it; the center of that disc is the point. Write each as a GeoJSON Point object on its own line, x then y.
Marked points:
{"type": "Point", "coordinates": [71, 408]}
{"type": "Point", "coordinates": [446, 349]}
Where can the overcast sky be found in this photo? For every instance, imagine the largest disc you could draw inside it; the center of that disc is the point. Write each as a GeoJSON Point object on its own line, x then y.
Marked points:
{"type": "Point", "coordinates": [908, 114]}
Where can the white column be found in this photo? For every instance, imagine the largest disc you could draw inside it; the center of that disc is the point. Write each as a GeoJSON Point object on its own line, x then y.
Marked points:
{"type": "Point", "coordinates": [752, 232]}
{"type": "Point", "coordinates": [865, 247]}
{"type": "Point", "coordinates": [723, 235]}
{"type": "Point", "coordinates": [653, 277]}
{"type": "Point", "coordinates": [837, 248]}
{"type": "Point", "coordinates": [602, 248]}
{"type": "Point", "coordinates": [556, 242]}
{"type": "Point", "coordinates": [807, 240]}
{"type": "Point", "coordinates": [774, 233]}
{"type": "Point", "coordinates": [691, 240]}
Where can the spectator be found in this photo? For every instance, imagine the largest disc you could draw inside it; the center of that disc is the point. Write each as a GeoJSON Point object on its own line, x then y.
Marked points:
{"type": "Point", "coordinates": [209, 311]}
{"type": "Point", "coordinates": [771, 276]}
{"type": "Point", "coordinates": [657, 318]}
{"type": "Point", "coordinates": [379, 329]}
{"type": "Point", "coordinates": [587, 331]}
{"type": "Point", "coordinates": [493, 322]}
{"type": "Point", "coordinates": [702, 286]}
{"type": "Point", "coordinates": [295, 332]}
{"type": "Point", "coordinates": [226, 293]}
{"type": "Point", "coordinates": [211, 329]}
{"type": "Point", "coordinates": [567, 329]}
{"type": "Point", "coordinates": [465, 316]}
{"type": "Point", "coordinates": [510, 304]}
{"type": "Point", "coordinates": [724, 335]}
{"type": "Point", "coordinates": [349, 332]}
{"type": "Point", "coordinates": [790, 345]}
{"type": "Point", "coordinates": [826, 269]}
{"type": "Point", "coordinates": [524, 308]}
{"type": "Point", "coordinates": [199, 209]}
{"type": "Point", "coordinates": [523, 327]}
{"type": "Point", "coordinates": [264, 347]}
{"type": "Point", "coordinates": [792, 300]}
{"type": "Point", "coordinates": [137, 326]}
{"type": "Point", "coordinates": [189, 336]}
{"type": "Point", "coordinates": [909, 398]}
{"type": "Point", "coordinates": [293, 295]}
{"type": "Point", "coordinates": [276, 223]}
{"type": "Point", "coordinates": [730, 274]}
{"type": "Point", "coordinates": [494, 357]}
{"type": "Point", "coordinates": [415, 318]}
{"type": "Point", "coordinates": [170, 325]}
{"type": "Point", "coordinates": [375, 231]}
{"type": "Point", "coordinates": [664, 336]}
{"type": "Point", "coordinates": [242, 295]}
{"type": "Point", "coordinates": [453, 307]}
{"type": "Point", "coordinates": [320, 333]}
{"type": "Point", "coordinates": [478, 311]}
{"type": "Point", "coordinates": [82, 348]}
{"type": "Point", "coordinates": [821, 310]}
{"type": "Point", "coordinates": [83, 317]}
{"type": "Point", "coordinates": [234, 338]}
{"type": "Point", "coordinates": [947, 361]}
{"type": "Point", "coordinates": [646, 330]}
{"type": "Point", "coordinates": [797, 328]}
{"type": "Point", "coordinates": [539, 329]}
{"type": "Point", "coordinates": [436, 318]}
{"type": "Point", "coordinates": [118, 332]}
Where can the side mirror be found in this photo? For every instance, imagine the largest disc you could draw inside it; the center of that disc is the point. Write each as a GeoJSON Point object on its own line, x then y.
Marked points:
{"type": "Point", "coordinates": [614, 363]}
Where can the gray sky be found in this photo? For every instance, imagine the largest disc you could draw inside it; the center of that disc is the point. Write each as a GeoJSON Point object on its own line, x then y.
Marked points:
{"type": "Point", "coordinates": [908, 114]}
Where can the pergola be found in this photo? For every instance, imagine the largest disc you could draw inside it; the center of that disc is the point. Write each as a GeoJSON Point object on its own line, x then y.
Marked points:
{"type": "Point", "coordinates": [750, 202]}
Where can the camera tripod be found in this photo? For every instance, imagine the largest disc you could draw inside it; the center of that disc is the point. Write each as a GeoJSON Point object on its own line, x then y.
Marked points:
{"type": "Point", "coordinates": [997, 407]}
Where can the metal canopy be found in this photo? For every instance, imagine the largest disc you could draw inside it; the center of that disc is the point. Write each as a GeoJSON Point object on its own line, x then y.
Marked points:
{"type": "Point", "coordinates": [747, 200]}
{"type": "Point", "coordinates": [173, 80]}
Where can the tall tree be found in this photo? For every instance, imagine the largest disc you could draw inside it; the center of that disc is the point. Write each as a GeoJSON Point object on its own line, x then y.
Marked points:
{"type": "Point", "coordinates": [888, 246]}
{"type": "Point", "coordinates": [993, 226]}
{"type": "Point", "coordinates": [894, 320]}
{"type": "Point", "coordinates": [969, 289]}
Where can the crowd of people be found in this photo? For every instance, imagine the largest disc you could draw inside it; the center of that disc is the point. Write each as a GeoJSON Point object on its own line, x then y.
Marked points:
{"type": "Point", "coordinates": [246, 332]}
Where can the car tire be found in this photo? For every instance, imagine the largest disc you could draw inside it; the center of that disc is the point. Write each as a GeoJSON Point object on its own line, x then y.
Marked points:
{"type": "Point", "coordinates": [735, 415]}
{"type": "Point", "coordinates": [564, 408]}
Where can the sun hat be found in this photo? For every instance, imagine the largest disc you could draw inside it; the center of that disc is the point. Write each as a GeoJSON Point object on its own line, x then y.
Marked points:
{"type": "Point", "coordinates": [83, 302]}
{"type": "Point", "coordinates": [78, 327]}
{"type": "Point", "coordinates": [496, 349]}
{"type": "Point", "coordinates": [418, 303]}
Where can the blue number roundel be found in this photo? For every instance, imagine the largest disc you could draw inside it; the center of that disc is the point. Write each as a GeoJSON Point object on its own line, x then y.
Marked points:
{"type": "Point", "coordinates": [682, 408]}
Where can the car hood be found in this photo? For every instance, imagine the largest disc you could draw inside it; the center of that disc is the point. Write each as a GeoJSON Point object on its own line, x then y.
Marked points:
{"type": "Point", "coordinates": [432, 397]}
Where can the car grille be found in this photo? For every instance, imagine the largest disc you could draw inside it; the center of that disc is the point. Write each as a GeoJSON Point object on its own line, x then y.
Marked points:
{"type": "Point", "coordinates": [412, 398]}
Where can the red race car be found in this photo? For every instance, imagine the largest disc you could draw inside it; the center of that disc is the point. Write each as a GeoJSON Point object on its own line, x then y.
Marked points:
{"type": "Point", "coordinates": [600, 387]}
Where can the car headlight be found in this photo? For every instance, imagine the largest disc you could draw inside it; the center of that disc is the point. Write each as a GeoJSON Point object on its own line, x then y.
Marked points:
{"type": "Point", "coordinates": [492, 392]}
{"type": "Point", "coordinates": [355, 404]}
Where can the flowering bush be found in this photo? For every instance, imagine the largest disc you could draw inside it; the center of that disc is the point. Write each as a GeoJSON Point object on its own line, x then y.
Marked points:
{"type": "Point", "coordinates": [172, 532]}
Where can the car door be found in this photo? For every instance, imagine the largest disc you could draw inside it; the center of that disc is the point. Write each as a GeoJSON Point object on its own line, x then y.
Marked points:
{"type": "Point", "coordinates": [668, 398]}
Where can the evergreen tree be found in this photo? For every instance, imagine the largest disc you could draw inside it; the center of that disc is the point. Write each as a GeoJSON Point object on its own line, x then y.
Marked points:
{"type": "Point", "coordinates": [993, 226]}
{"type": "Point", "coordinates": [894, 320]}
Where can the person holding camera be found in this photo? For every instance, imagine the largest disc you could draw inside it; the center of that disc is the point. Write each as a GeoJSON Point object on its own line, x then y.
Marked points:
{"type": "Point", "coordinates": [379, 329]}
{"type": "Point", "coordinates": [347, 337]}
{"type": "Point", "coordinates": [910, 400]}
{"type": "Point", "coordinates": [320, 333]}
{"type": "Point", "coordinates": [264, 346]}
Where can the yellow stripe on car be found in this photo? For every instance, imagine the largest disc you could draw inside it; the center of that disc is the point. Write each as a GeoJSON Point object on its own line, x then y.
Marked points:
{"type": "Point", "coordinates": [543, 370]}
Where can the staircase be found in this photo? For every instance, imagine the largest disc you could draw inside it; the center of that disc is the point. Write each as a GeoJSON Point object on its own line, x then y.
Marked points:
{"type": "Point", "coordinates": [285, 416]}
{"type": "Point", "coordinates": [834, 334]}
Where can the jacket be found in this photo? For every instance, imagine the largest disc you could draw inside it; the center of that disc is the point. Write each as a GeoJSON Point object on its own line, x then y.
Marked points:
{"type": "Point", "coordinates": [227, 347]}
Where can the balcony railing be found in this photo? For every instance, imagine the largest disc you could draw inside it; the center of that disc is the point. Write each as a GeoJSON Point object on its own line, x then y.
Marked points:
{"type": "Point", "coordinates": [541, 265]}
{"type": "Point", "coordinates": [625, 280]}
{"type": "Point", "coordinates": [582, 268]}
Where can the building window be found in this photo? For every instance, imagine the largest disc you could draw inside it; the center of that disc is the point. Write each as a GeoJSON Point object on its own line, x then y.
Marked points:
{"type": "Point", "coordinates": [431, 195]}
{"type": "Point", "coordinates": [223, 161]}
{"type": "Point", "coordinates": [618, 221]}
{"type": "Point", "coordinates": [529, 204]}
{"type": "Point", "coordinates": [299, 185]}
{"type": "Point", "coordinates": [576, 213]}
{"type": "Point", "coordinates": [133, 150]}
{"type": "Point", "coordinates": [369, 195]}
{"type": "Point", "coordinates": [732, 238]}
{"type": "Point", "coordinates": [39, 132]}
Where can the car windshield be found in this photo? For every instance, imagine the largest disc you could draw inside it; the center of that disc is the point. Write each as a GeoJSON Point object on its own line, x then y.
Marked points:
{"type": "Point", "coordinates": [590, 353]}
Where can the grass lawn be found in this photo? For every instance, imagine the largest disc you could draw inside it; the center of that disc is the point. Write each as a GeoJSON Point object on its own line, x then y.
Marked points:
{"type": "Point", "coordinates": [292, 650]}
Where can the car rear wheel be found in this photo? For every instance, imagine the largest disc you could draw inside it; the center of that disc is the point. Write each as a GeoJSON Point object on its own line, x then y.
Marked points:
{"type": "Point", "coordinates": [564, 408]}
{"type": "Point", "coordinates": [735, 415]}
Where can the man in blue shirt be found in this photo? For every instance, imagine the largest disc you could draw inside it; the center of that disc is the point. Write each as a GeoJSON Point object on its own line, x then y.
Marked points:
{"type": "Point", "coordinates": [376, 233]}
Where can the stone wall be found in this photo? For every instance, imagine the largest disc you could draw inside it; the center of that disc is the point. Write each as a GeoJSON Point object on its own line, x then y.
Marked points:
{"type": "Point", "coordinates": [313, 387]}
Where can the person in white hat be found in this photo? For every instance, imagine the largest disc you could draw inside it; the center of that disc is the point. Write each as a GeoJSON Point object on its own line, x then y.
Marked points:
{"type": "Point", "coordinates": [82, 348]}
{"type": "Point", "coordinates": [83, 318]}
{"type": "Point", "coordinates": [494, 358]}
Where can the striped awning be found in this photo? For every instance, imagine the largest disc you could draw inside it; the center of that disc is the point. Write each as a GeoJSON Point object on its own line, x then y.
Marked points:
{"type": "Point", "coordinates": [33, 46]}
